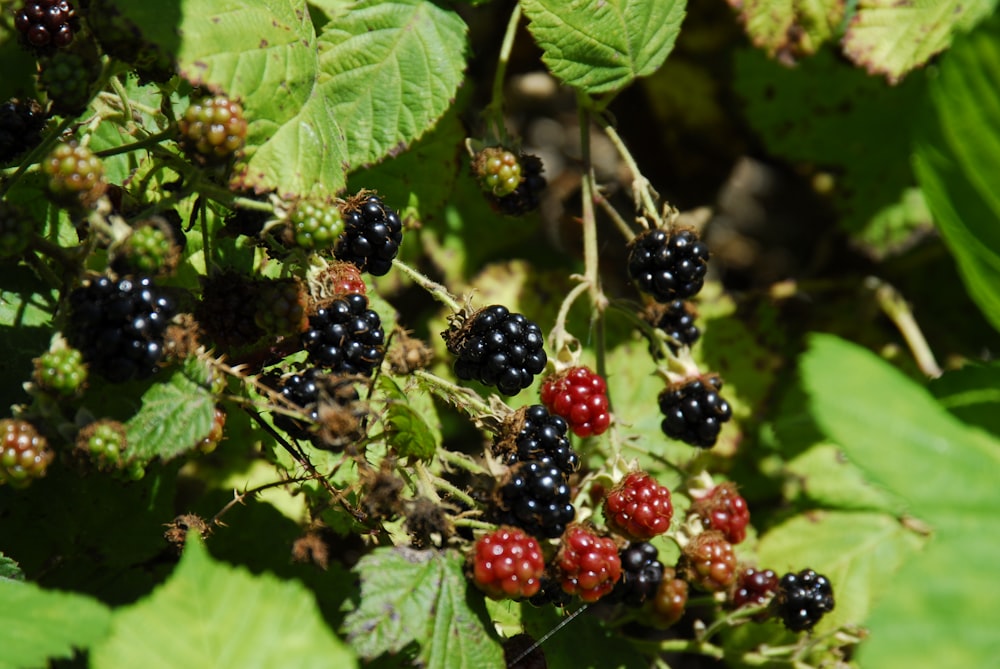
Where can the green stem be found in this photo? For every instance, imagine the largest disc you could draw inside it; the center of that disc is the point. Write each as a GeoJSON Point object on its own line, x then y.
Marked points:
{"type": "Point", "coordinates": [35, 155]}
{"type": "Point", "coordinates": [728, 620]}
{"type": "Point", "coordinates": [146, 143]}
{"type": "Point", "coordinates": [640, 185]}
{"type": "Point", "coordinates": [116, 84]}
{"type": "Point", "coordinates": [425, 482]}
{"type": "Point", "coordinates": [457, 396]}
{"type": "Point", "coordinates": [54, 251]}
{"type": "Point", "coordinates": [461, 461]}
{"type": "Point", "coordinates": [474, 524]}
{"type": "Point", "coordinates": [494, 111]}
{"type": "Point", "coordinates": [559, 332]}
{"type": "Point", "coordinates": [686, 646]}
{"type": "Point", "coordinates": [898, 311]}
{"type": "Point", "coordinates": [454, 491]}
{"type": "Point", "coordinates": [437, 291]}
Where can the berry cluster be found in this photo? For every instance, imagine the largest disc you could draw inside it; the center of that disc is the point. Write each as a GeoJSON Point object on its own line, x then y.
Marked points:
{"type": "Point", "coordinates": [148, 250]}
{"type": "Point", "coordinates": [46, 23]}
{"type": "Point", "coordinates": [642, 574]}
{"type": "Point", "coordinates": [102, 443]}
{"type": "Point", "coordinates": [76, 175]}
{"type": "Point", "coordinates": [60, 371]}
{"type": "Point", "coordinates": [676, 319]}
{"type": "Point", "coordinates": [301, 391]}
{"type": "Point", "coordinates": [497, 348]}
{"type": "Point", "coordinates": [536, 498]}
{"type": "Point", "coordinates": [723, 509]}
{"type": "Point", "coordinates": [346, 337]}
{"type": "Point", "coordinates": [21, 124]}
{"type": "Point", "coordinates": [213, 130]}
{"type": "Point", "coordinates": [210, 441]}
{"type": "Point", "coordinates": [24, 453]}
{"type": "Point", "coordinates": [498, 170]}
{"type": "Point", "coordinates": [708, 562]}
{"type": "Point", "coordinates": [668, 264]}
{"type": "Point", "coordinates": [802, 599]}
{"type": "Point", "coordinates": [638, 507]}
{"type": "Point", "coordinates": [68, 79]}
{"type": "Point", "coordinates": [694, 411]}
{"type": "Point", "coordinates": [371, 237]}
{"type": "Point", "coordinates": [119, 325]}
{"type": "Point", "coordinates": [528, 195]}
{"type": "Point", "coordinates": [589, 566]}
{"type": "Point", "coordinates": [580, 396]}
{"type": "Point", "coordinates": [533, 434]}
{"type": "Point", "coordinates": [314, 226]}
{"type": "Point", "coordinates": [507, 564]}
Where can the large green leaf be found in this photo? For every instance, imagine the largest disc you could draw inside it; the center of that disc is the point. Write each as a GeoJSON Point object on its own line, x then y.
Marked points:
{"type": "Point", "coordinates": [891, 37]}
{"type": "Point", "coordinates": [390, 70]}
{"type": "Point", "coordinates": [972, 393]}
{"type": "Point", "coordinates": [603, 46]}
{"type": "Point", "coordinates": [936, 611]}
{"type": "Point", "coordinates": [211, 615]}
{"type": "Point", "coordinates": [420, 596]}
{"type": "Point", "coordinates": [790, 28]}
{"type": "Point", "coordinates": [37, 624]}
{"type": "Point", "coordinates": [957, 149]}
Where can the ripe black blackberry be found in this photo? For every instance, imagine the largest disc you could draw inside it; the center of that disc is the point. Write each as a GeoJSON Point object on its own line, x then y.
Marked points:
{"type": "Point", "coordinates": [641, 574]}
{"type": "Point", "coordinates": [528, 194]}
{"type": "Point", "coordinates": [372, 235]}
{"type": "Point", "coordinates": [676, 319]}
{"type": "Point", "coordinates": [532, 433]}
{"type": "Point", "coordinates": [346, 337]}
{"type": "Point", "coordinates": [21, 124]}
{"type": "Point", "coordinates": [46, 23]}
{"type": "Point", "coordinates": [668, 264]}
{"type": "Point", "coordinates": [497, 348]}
{"type": "Point", "coordinates": [118, 326]}
{"type": "Point", "coordinates": [537, 499]}
{"type": "Point", "coordinates": [302, 391]}
{"type": "Point", "coordinates": [694, 411]}
{"type": "Point", "coordinates": [803, 599]}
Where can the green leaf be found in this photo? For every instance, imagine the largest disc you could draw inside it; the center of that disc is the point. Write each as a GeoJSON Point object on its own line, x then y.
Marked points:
{"type": "Point", "coordinates": [957, 147]}
{"type": "Point", "coordinates": [37, 624]}
{"type": "Point", "coordinates": [26, 306]}
{"type": "Point", "coordinates": [410, 434]}
{"type": "Point", "coordinates": [216, 616]}
{"type": "Point", "coordinates": [420, 596]}
{"type": "Point", "coordinates": [972, 393]}
{"type": "Point", "coordinates": [176, 414]}
{"type": "Point", "coordinates": [604, 46]}
{"type": "Point", "coordinates": [390, 69]}
{"type": "Point", "coordinates": [858, 551]}
{"type": "Point", "coordinates": [907, 442]}
{"type": "Point", "coordinates": [891, 37]}
{"type": "Point", "coordinates": [583, 644]}
{"type": "Point", "coordinates": [828, 480]}
{"type": "Point", "coordinates": [790, 28]}
{"type": "Point", "coordinates": [9, 569]}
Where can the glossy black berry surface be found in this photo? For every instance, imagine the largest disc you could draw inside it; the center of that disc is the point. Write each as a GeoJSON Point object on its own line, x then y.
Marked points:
{"type": "Point", "coordinates": [542, 436]}
{"type": "Point", "coordinates": [642, 573]}
{"type": "Point", "coordinates": [694, 411]}
{"type": "Point", "coordinates": [346, 337]}
{"type": "Point", "coordinates": [46, 23]}
{"type": "Point", "coordinates": [371, 238]}
{"type": "Point", "coordinates": [803, 599]}
{"type": "Point", "coordinates": [537, 499]}
{"type": "Point", "coordinates": [499, 348]}
{"type": "Point", "coordinates": [668, 265]}
{"type": "Point", "coordinates": [302, 391]}
{"type": "Point", "coordinates": [677, 320]}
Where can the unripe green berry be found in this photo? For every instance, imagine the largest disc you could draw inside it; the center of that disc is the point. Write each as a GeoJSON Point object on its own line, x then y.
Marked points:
{"type": "Point", "coordinates": [498, 170]}
{"type": "Point", "coordinates": [24, 453]}
{"type": "Point", "coordinates": [314, 226]}
{"type": "Point", "coordinates": [60, 371]}
{"type": "Point", "coordinates": [76, 175]}
{"type": "Point", "coordinates": [281, 309]}
{"type": "Point", "coordinates": [147, 249]}
{"type": "Point", "coordinates": [102, 443]}
{"type": "Point", "coordinates": [213, 129]}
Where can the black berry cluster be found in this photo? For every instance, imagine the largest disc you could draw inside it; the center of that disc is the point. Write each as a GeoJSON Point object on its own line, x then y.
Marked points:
{"type": "Point", "coordinates": [694, 411]}
{"type": "Point", "coordinates": [533, 434]}
{"type": "Point", "coordinates": [346, 337]}
{"type": "Point", "coordinates": [46, 23]}
{"type": "Point", "coordinates": [371, 238]}
{"type": "Point", "coordinates": [802, 599]}
{"type": "Point", "coordinates": [302, 391]}
{"type": "Point", "coordinates": [498, 348]}
{"type": "Point", "coordinates": [668, 264]}
{"type": "Point", "coordinates": [641, 574]}
{"type": "Point", "coordinates": [677, 320]}
{"type": "Point", "coordinates": [537, 499]}
{"type": "Point", "coordinates": [528, 194]}
{"type": "Point", "coordinates": [21, 124]}
{"type": "Point", "coordinates": [118, 326]}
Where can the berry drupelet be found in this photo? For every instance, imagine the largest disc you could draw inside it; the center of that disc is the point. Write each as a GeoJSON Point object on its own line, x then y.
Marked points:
{"type": "Point", "coordinates": [642, 573]}
{"type": "Point", "coordinates": [638, 507]}
{"type": "Point", "coordinates": [589, 566]}
{"type": "Point", "coordinates": [676, 319]}
{"type": "Point", "coordinates": [46, 23]}
{"type": "Point", "coordinates": [803, 599]}
{"type": "Point", "coordinates": [371, 237]}
{"type": "Point", "coordinates": [346, 337]}
{"type": "Point", "coordinates": [580, 396]}
{"type": "Point", "coordinates": [668, 264]}
{"type": "Point", "coordinates": [60, 371]}
{"type": "Point", "coordinates": [498, 348]}
{"type": "Point", "coordinates": [118, 326]}
{"type": "Point", "coordinates": [532, 433]}
{"type": "Point", "coordinates": [694, 411]}
{"type": "Point", "coordinates": [507, 564]}
{"type": "Point", "coordinates": [537, 499]}
{"type": "Point", "coordinates": [498, 170]}
{"type": "Point", "coordinates": [670, 599]}
{"type": "Point", "coordinates": [528, 195]}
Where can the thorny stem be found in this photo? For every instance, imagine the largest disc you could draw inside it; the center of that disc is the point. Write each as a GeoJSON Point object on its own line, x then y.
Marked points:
{"type": "Point", "coordinates": [456, 395]}
{"type": "Point", "coordinates": [460, 461]}
{"type": "Point", "coordinates": [425, 482]}
{"type": "Point", "coordinates": [494, 110]}
{"type": "Point", "coordinates": [454, 491]}
{"type": "Point", "coordinates": [35, 156]}
{"type": "Point", "coordinates": [898, 311]}
{"type": "Point", "coordinates": [640, 185]}
{"type": "Point", "coordinates": [473, 524]}
{"type": "Point", "coordinates": [437, 291]}
{"type": "Point", "coordinates": [238, 498]}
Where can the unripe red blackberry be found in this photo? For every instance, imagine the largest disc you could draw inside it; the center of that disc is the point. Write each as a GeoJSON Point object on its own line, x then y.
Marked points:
{"type": "Point", "coordinates": [281, 307]}
{"type": "Point", "coordinates": [60, 371]}
{"type": "Point", "coordinates": [507, 564]}
{"type": "Point", "coordinates": [498, 170]}
{"type": "Point", "coordinates": [803, 599]}
{"type": "Point", "coordinates": [497, 348]}
{"type": "Point", "coordinates": [754, 587]}
{"type": "Point", "coordinates": [341, 278]}
{"type": "Point", "coordinates": [533, 434]}
{"type": "Point", "coordinates": [588, 564]}
{"type": "Point", "coordinates": [639, 507]}
{"type": "Point", "coordinates": [16, 228]}
{"type": "Point", "coordinates": [346, 337]}
{"type": "Point", "coordinates": [708, 562]}
{"type": "Point", "coordinates": [24, 453]}
{"type": "Point", "coordinates": [372, 234]}
{"type": "Point", "coordinates": [314, 226]}
{"type": "Point", "coordinates": [213, 130]}
{"type": "Point", "coordinates": [209, 443]}
{"type": "Point", "coordinates": [668, 264]}
{"type": "Point", "coordinates": [723, 509]}
{"type": "Point", "coordinates": [46, 23]}
{"type": "Point", "coordinates": [670, 600]}
{"type": "Point", "coordinates": [580, 396]}
{"type": "Point", "coordinates": [76, 175]}
{"type": "Point", "coordinates": [21, 124]}
{"type": "Point", "coordinates": [694, 411]}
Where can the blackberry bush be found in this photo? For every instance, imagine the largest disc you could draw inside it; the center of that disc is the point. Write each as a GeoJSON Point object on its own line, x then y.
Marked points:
{"type": "Point", "coordinates": [694, 411]}
{"type": "Point", "coordinates": [668, 264]}
{"type": "Point", "coordinates": [372, 234]}
{"type": "Point", "coordinates": [497, 348]}
{"type": "Point", "coordinates": [21, 124]}
{"type": "Point", "coordinates": [346, 337]}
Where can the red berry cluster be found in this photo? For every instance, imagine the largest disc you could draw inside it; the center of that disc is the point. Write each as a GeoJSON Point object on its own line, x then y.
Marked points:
{"type": "Point", "coordinates": [708, 562]}
{"type": "Point", "coordinates": [508, 564]}
{"type": "Point", "coordinates": [639, 507]}
{"type": "Point", "coordinates": [588, 565]}
{"type": "Point", "coordinates": [724, 510]}
{"type": "Point", "coordinates": [579, 396]}
{"type": "Point", "coordinates": [24, 453]}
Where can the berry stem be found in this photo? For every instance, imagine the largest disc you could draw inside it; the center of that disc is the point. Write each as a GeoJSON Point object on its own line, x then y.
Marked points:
{"type": "Point", "coordinates": [641, 188]}
{"type": "Point", "coordinates": [147, 142]}
{"type": "Point", "coordinates": [457, 396]}
{"type": "Point", "coordinates": [494, 110]}
{"type": "Point", "coordinates": [730, 619]}
{"type": "Point", "coordinates": [898, 311]}
{"type": "Point", "coordinates": [590, 248]}
{"type": "Point", "coordinates": [454, 491]}
{"type": "Point", "coordinates": [116, 84]}
{"type": "Point", "coordinates": [688, 646]}
{"type": "Point", "coordinates": [461, 461]}
{"type": "Point", "coordinates": [437, 291]}
{"type": "Point", "coordinates": [35, 155]}
{"type": "Point", "coordinates": [240, 497]}
{"type": "Point", "coordinates": [559, 336]}
{"type": "Point", "coordinates": [474, 524]}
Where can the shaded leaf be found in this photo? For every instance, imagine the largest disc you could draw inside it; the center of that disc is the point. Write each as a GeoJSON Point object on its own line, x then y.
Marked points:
{"type": "Point", "coordinates": [37, 624]}
{"type": "Point", "coordinates": [790, 28]}
{"type": "Point", "coordinates": [389, 71]}
{"type": "Point", "coordinates": [583, 644]}
{"type": "Point", "coordinates": [604, 46]}
{"type": "Point", "coordinates": [972, 393]}
{"type": "Point", "coordinates": [410, 433]}
{"type": "Point", "coordinates": [420, 596]}
{"type": "Point", "coordinates": [209, 614]}
{"type": "Point", "coordinates": [891, 37]}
